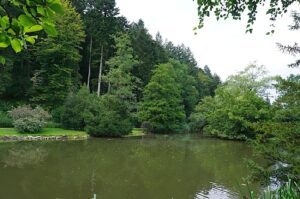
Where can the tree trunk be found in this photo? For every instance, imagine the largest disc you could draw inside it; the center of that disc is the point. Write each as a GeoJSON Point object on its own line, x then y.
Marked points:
{"type": "Point", "coordinates": [109, 87]}
{"type": "Point", "coordinates": [100, 72]}
{"type": "Point", "coordinates": [90, 60]}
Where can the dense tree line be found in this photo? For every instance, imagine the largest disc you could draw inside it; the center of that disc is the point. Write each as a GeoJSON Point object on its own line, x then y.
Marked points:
{"type": "Point", "coordinates": [118, 61]}
{"type": "Point", "coordinates": [95, 71]}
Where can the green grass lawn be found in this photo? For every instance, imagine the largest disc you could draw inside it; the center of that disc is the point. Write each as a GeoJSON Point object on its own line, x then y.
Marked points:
{"type": "Point", "coordinates": [44, 132]}
{"type": "Point", "coordinates": [136, 132]}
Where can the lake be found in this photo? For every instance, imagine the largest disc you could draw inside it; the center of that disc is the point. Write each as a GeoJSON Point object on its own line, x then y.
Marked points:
{"type": "Point", "coordinates": [163, 167]}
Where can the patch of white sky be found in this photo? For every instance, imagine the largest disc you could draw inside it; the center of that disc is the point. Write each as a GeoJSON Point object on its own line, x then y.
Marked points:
{"type": "Point", "coordinates": [222, 45]}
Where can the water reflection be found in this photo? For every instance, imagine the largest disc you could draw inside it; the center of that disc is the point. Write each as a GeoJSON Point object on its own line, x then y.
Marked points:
{"type": "Point", "coordinates": [164, 167]}
{"type": "Point", "coordinates": [217, 192]}
{"type": "Point", "coordinates": [24, 155]}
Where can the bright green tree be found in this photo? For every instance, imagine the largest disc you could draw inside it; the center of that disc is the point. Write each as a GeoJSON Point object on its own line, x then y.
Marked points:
{"type": "Point", "coordinates": [189, 93]}
{"type": "Point", "coordinates": [234, 109]}
{"type": "Point", "coordinates": [59, 60]}
{"type": "Point", "coordinates": [162, 105]}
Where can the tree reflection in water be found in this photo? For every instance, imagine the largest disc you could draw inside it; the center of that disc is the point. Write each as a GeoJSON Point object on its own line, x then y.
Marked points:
{"type": "Point", "coordinates": [25, 155]}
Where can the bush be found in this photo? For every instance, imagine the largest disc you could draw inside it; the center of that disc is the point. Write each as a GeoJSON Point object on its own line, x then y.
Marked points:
{"type": "Point", "coordinates": [108, 117]}
{"type": "Point", "coordinates": [5, 120]}
{"type": "Point", "coordinates": [28, 120]}
{"type": "Point", "coordinates": [73, 111]}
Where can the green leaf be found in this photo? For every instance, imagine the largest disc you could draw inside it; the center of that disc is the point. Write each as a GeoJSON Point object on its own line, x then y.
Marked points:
{"type": "Point", "coordinates": [34, 28]}
{"type": "Point", "coordinates": [11, 31]}
{"type": "Point", "coordinates": [49, 29]}
{"type": "Point", "coordinates": [3, 45]}
{"type": "Point", "coordinates": [30, 39]}
{"type": "Point", "coordinates": [4, 22]}
{"type": "Point", "coordinates": [16, 45]}
{"type": "Point", "coordinates": [41, 10]}
{"type": "Point", "coordinates": [2, 60]}
{"type": "Point", "coordinates": [26, 20]}
{"type": "Point", "coordinates": [4, 41]}
{"type": "Point", "coordinates": [57, 8]}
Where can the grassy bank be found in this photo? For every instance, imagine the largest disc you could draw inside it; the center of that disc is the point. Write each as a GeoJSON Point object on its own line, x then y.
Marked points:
{"type": "Point", "coordinates": [136, 132]}
{"type": "Point", "coordinates": [44, 132]}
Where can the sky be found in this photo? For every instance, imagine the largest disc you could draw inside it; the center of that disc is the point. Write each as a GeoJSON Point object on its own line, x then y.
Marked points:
{"type": "Point", "coordinates": [222, 45]}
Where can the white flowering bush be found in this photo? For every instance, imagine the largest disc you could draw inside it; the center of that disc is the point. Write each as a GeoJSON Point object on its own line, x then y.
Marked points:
{"type": "Point", "coordinates": [29, 120]}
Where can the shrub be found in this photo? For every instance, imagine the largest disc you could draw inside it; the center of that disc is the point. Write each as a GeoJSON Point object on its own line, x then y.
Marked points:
{"type": "Point", "coordinates": [5, 120]}
{"type": "Point", "coordinates": [108, 117]}
{"type": "Point", "coordinates": [28, 120]}
{"type": "Point", "coordinates": [73, 111]}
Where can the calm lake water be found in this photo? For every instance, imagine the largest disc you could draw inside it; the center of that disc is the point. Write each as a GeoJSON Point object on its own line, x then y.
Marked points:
{"type": "Point", "coordinates": [149, 168]}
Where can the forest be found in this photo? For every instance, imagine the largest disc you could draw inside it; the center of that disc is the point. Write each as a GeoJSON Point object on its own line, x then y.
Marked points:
{"type": "Point", "coordinates": [81, 65]}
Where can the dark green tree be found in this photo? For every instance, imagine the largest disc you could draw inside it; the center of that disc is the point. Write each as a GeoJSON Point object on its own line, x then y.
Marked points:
{"type": "Point", "coordinates": [149, 51]}
{"type": "Point", "coordinates": [58, 59]}
{"type": "Point", "coordinates": [101, 24]}
{"type": "Point", "coordinates": [162, 105]}
{"type": "Point", "coordinates": [74, 109]}
{"type": "Point", "coordinates": [112, 114]}
{"type": "Point", "coordinates": [182, 54]}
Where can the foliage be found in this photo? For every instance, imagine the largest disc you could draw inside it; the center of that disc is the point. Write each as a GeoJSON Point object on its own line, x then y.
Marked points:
{"type": "Point", "coordinates": [28, 120]}
{"type": "Point", "coordinates": [21, 20]}
{"type": "Point", "coordinates": [111, 115]}
{"type": "Point", "coordinates": [206, 83]}
{"type": "Point", "coordinates": [5, 74]}
{"type": "Point", "coordinates": [187, 83]}
{"type": "Point", "coordinates": [102, 23]}
{"type": "Point", "coordinates": [293, 49]}
{"type": "Point", "coordinates": [279, 141]}
{"type": "Point", "coordinates": [107, 116]}
{"type": "Point", "coordinates": [5, 120]}
{"type": "Point", "coordinates": [58, 59]}
{"type": "Point", "coordinates": [74, 108]}
{"type": "Point", "coordinates": [162, 105]}
{"type": "Point", "coordinates": [182, 54]}
{"type": "Point", "coordinates": [233, 110]}
{"type": "Point", "coordinates": [235, 10]}
{"type": "Point", "coordinates": [150, 52]}
{"type": "Point", "coordinates": [288, 190]}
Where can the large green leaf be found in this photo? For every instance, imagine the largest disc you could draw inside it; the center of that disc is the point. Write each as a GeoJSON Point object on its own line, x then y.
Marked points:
{"type": "Point", "coordinates": [34, 28]}
{"type": "Point", "coordinates": [30, 39]}
{"type": "Point", "coordinates": [4, 41]}
{"type": "Point", "coordinates": [26, 21]}
{"type": "Point", "coordinates": [4, 22]}
{"type": "Point", "coordinates": [16, 45]}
